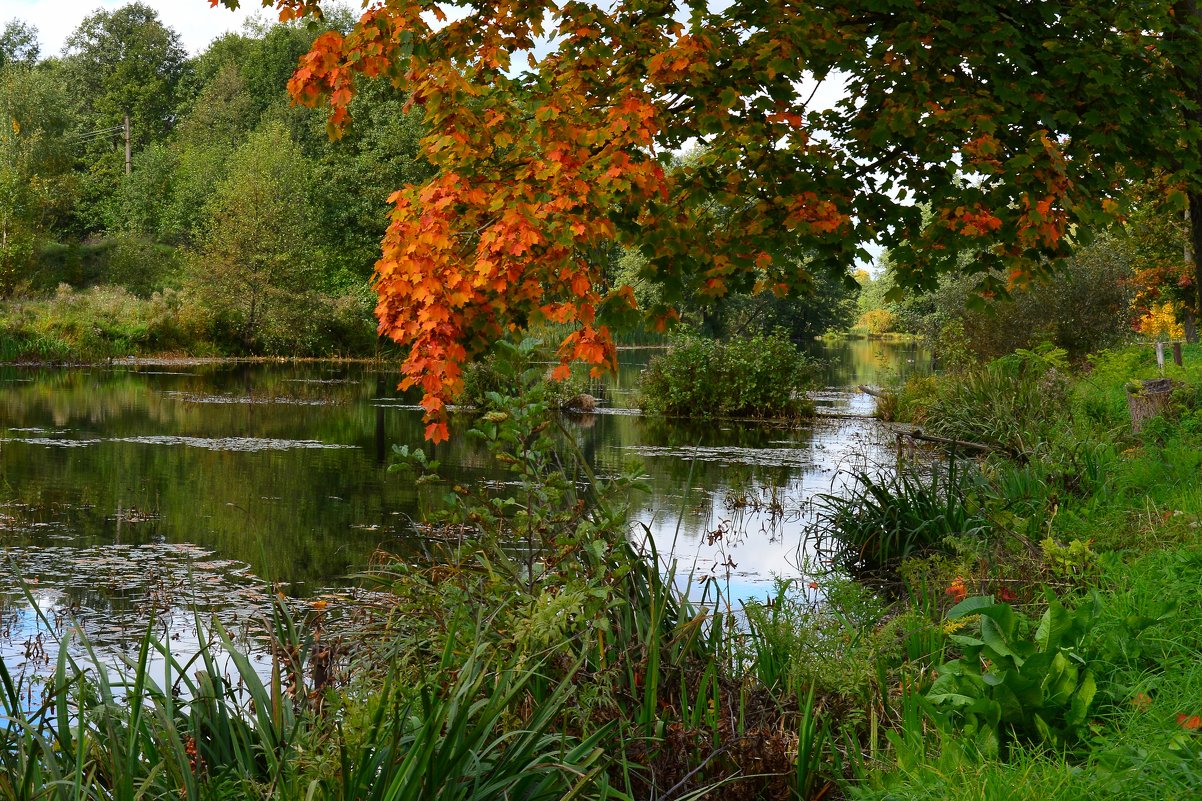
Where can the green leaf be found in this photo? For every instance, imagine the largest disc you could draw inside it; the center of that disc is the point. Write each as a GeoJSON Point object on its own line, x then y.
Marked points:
{"type": "Point", "coordinates": [970, 606]}
{"type": "Point", "coordinates": [1055, 623]}
{"type": "Point", "coordinates": [995, 640]}
{"type": "Point", "coordinates": [1083, 700]}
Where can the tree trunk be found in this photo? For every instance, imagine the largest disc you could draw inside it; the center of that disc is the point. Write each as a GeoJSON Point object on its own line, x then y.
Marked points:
{"type": "Point", "coordinates": [1195, 237]}
{"type": "Point", "coordinates": [1149, 401]}
{"type": "Point", "coordinates": [1188, 13]}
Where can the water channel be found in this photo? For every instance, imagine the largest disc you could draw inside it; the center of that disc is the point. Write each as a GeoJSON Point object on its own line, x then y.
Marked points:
{"type": "Point", "coordinates": [184, 487]}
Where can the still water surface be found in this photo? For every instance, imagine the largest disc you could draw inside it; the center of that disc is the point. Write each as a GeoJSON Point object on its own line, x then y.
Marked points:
{"type": "Point", "coordinates": [176, 487]}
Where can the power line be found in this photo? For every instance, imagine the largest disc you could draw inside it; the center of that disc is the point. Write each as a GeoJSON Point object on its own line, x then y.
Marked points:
{"type": "Point", "coordinates": [98, 133]}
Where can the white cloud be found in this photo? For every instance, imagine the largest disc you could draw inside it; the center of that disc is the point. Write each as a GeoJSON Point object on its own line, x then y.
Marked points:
{"type": "Point", "coordinates": [195, 21]}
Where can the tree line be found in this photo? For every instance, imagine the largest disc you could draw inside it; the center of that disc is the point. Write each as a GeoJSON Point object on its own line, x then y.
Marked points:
{"type": "Point", "coordinates": [235, 205]}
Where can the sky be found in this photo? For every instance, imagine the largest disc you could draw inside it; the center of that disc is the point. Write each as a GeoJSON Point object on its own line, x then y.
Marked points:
{"type": "Point", "coordinates": [194, 20]}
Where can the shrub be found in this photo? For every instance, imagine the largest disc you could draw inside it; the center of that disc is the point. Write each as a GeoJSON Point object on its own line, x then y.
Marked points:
{"type": "Point", "coordinates": [760, 376]}
{"type": "Point", "coordinates": [509, 368]}
{"type": "Point", "coordinates": [908, 403]}
{"type": "Point", "coordinates": [880, 520]}
{"type": "Point", "coordinates": [139, 265]}
{"type": "Point", "coordinates": [875, 322]}
{"type": "Point", "coordinates": [1017, 404]}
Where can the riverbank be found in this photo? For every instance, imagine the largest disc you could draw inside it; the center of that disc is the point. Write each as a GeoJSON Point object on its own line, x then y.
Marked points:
{"type": "Point", "coordinates": [108, 322]}
{"type": "Point", "coordinates": [1023, 627]}
{"type": "Point", "coordinates": [1065, 662]}
{"type": "Point", "coordinates": [891, 336]}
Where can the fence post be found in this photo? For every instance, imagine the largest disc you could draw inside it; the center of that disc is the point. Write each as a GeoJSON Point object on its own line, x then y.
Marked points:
{"type": "Point", "coordinates": [1177, 353]}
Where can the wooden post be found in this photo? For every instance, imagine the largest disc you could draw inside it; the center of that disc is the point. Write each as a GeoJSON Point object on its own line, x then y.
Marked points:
{"type": "Point", "coordinates": [1177, 353]}
{"type": "Point", "coordinates": [1160, 356]}
{"type": "Point", "coordinates": [129, 165]}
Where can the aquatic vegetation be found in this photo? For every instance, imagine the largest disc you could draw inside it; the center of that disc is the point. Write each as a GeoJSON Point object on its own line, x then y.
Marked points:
{"type": "Point", "coordinates": [1017, 404]}
{"type": "Point", "coordinates": [668, 681]}
{"type": "Point", "coordinates": [881, 518]}
{"type": "Point", "coordinates": [520, 367]}
{"type": "Point", "coordinates": [213, 727]}
{"type": "Point", "coordinates": [759, 377]}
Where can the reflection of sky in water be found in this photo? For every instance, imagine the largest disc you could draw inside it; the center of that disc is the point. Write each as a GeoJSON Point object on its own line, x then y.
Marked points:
{"type": "Point", "coordinates": [111, 596]}
{"type": "Point", "coordinates": [749, 533]}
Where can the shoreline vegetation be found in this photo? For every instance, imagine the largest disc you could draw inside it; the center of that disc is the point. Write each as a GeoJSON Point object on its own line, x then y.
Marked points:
{"type": "Point", "coordinates": [1021, 626]}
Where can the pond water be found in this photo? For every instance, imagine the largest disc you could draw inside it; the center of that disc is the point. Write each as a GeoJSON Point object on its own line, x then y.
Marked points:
{"type": "Point", "coordinates": [179, 486]}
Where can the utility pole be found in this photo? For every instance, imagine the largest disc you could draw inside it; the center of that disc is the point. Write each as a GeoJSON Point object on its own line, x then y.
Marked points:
{"type": "Point", "coordinates": [128, 151]}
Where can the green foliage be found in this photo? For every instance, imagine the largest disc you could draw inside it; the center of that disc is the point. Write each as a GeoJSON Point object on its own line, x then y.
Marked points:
{"type": "Point", "coordinates": [909, 402]}
{"type": "Point", "coordinates": [1076, 559]}
{"type": "Point", "coordinates": [126, 62]}
{"type": "Point", "coordinates": [1015, 679]}
{"type": "Point", "coordinates": [213, 726]}
{"type": "Point", "coordinates": [70, 214]}
{"type": "Point", "coordinates": [34, 165]}
{"type": "Point", "coordinates": [1018, 404]}
{"type": "Point", "coordinates": [18, 44]}
{"type": "Point", "coordinates": [827, 304]}
{"type": "Point", "coordinates": [104, 322]}
{"type": "Point", "coordinates": [671, 688]}
{"type": "Point", "coordinates": [760, 376]}
{"type": "Point", "coordinates": [831, 641]}
{"type": "Point", "coordinates": [1086, 305]}
{"type": "Point", "coordinates": [255, 264]}
{"type": "Point", "coordinates": [516, 368]}
{"type": "Point", "coordinates": [1038, 683]}
{"type": "Point", "coordinates": [878, 520]}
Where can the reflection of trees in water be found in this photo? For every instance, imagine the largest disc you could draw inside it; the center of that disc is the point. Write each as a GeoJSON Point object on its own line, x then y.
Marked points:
{"type": "Point", "coordinates": [304, 516]}
{"type": "Point", "coordinates": [850, 362]}
{"type": "Point", "coordinates": [296, 516]}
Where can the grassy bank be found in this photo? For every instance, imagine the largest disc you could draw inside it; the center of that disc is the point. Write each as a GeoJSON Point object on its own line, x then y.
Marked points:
{"type": "Point", "coordinates": [1085, 682]}
{"type": "Point", "coordinates": [106, 322]}
{"type": "Point", "coordinates": [1024, 625]}
{"type": "Point", "coordinates": [859, 333]}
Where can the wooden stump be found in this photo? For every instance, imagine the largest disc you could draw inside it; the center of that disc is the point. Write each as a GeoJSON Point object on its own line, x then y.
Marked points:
{"type": "Point", "coordinates": [1149, 400]}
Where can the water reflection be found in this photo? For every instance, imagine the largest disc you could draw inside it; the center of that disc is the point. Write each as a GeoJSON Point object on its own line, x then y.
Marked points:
{"type": "Point", "coordinates": [278, 473]}
{"type": "Point", "coordinates": [110, 596]}
{"type": "Point", "coordinates": [874, 362]}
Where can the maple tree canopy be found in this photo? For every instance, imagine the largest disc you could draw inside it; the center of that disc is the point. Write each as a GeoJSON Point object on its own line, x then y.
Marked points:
{"type": "Point", "coordinates": [998, 128]}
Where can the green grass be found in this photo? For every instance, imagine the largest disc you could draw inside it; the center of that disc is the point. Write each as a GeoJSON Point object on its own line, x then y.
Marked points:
{"type": "Point", "coordinates": [881, 519]}
{"type": "Point", "coordinates": [105, 322]}
{"type": "Point", "coordinates": [1082, 505]}
{"type": "Point", "coordinates": [1139, 749]}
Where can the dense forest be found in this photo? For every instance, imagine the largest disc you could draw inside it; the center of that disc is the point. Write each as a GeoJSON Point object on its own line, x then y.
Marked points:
{"type": "Point", "coordinates": [226, 220]}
